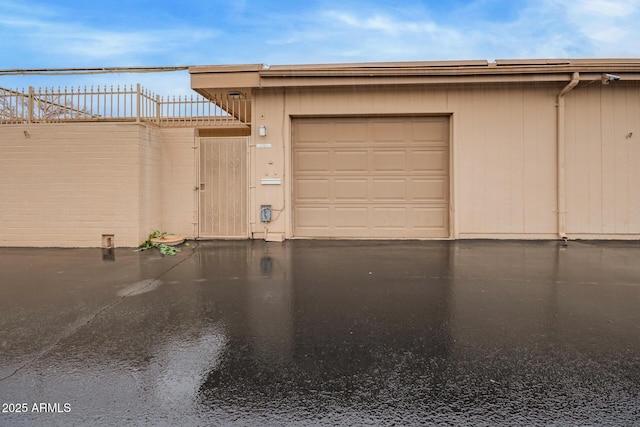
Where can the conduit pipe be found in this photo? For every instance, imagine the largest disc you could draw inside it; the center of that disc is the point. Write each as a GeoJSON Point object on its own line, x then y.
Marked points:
{"type": "Point", "coordinates": [561, 143]}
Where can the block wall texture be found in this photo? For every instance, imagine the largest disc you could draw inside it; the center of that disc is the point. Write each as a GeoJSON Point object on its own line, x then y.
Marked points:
{"type": "Point", "coordinates": [179, 176]}
{"type": "Point", "coordinates": [65, 185]}
{"type": "Point", "coordinates": [150, 181]}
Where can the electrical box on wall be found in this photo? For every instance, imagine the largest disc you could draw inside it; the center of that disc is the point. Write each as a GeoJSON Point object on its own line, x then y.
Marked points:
{"type": "Point", "coordinates": [265, 213]}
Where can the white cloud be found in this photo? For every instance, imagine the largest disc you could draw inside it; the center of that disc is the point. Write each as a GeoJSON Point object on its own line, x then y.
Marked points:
{"type": "Point", "coordinates": [605, 27]}
{"type": "Point", "coordinates": [373, 23]}
{"type": "Point", "coordinates": [346, 35]}
{"type": "Point", "coordinates": [47, 34]}
{"type": "Point", "coordinates": [104, 45]}
{"type": "Point", "coordinates": [608, 8]}
{"type": "Point", "coordinates": [538, 29]}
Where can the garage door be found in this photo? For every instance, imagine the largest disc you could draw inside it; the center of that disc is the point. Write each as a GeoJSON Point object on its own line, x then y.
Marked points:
{"type": "Point", "coordinates": [371, 177]}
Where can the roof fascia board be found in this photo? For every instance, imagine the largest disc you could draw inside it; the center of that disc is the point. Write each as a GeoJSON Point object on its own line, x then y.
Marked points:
{"type": "Point", "coordinates": [446, 72]}
{"type": "Point", "coordinates": [226, 68]}
{"type": "Point", "coordinates": [410, 80]}
{"type": "Point", "coordinates": [378, 65]}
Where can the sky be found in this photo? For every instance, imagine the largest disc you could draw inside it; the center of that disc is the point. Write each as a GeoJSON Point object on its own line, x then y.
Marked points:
{"type": "Point", "coordinates": [120, 33]}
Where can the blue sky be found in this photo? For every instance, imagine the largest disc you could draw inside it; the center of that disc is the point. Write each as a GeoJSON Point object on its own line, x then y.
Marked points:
{"type": "Point", "coordinates": [84, 33]}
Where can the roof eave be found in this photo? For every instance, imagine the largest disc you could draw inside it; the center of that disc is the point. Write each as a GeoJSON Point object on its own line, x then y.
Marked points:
{"type": "Point", "coordinates": [441, 72]}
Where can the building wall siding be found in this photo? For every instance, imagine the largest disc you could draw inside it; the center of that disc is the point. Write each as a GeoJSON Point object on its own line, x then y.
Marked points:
{"type": "Point", "coordinates": [603, 160]}
{"type": "Point", "coordinates": [67, 184]}
{"type": "Point", "coordinates": [505, 172]}
{"type": "Point", "coordinates": [503, 145]}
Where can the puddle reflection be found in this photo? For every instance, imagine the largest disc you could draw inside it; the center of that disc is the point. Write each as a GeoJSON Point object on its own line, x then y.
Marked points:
{"type": "Point", "coordinates": [330, 333]}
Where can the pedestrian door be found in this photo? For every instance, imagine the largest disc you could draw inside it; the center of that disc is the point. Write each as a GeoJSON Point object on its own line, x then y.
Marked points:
{"type": "Point", "coordinates": [223, 201]}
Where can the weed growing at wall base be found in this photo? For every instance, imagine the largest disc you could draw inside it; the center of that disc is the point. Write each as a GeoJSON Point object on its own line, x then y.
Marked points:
{"type": "Point", "coordinates": [163, 247]}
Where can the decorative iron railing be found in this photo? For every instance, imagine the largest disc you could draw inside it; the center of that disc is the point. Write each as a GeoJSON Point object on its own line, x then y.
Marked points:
{"type": "Point", "coordinates": [132, 103]}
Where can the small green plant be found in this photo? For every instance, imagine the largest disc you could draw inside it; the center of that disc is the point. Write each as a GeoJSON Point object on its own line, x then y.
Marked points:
{"type": "Point", "coordinates": [164, 249]}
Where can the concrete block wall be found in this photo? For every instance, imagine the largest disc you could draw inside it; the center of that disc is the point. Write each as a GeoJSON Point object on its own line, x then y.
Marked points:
{"type": "Point", "coordinates": [66, 185]}
{"type": "Point", "coordinates": [179, 174]}
{"type": "Point", "coordinates": [150, 181]}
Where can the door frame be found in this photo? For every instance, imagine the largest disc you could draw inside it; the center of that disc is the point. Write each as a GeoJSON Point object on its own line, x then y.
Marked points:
{"type": "Point", "coordinates": [200, 180]}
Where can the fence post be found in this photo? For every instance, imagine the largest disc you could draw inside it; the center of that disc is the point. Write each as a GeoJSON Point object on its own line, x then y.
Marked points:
{"type": "Point", "coordinates": [138, 103]}
{"type": "Point", "coordinates": [158, 108]}
{"type": "Point", "coordinates": [30, 106]}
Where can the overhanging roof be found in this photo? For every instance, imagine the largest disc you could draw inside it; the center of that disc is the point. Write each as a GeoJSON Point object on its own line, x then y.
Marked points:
{"type": "Point", "coordinates": [211, 80]}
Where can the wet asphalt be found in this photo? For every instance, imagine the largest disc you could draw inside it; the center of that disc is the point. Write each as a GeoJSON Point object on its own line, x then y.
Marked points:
{"type": "Point", "coordinates": [322, 333]}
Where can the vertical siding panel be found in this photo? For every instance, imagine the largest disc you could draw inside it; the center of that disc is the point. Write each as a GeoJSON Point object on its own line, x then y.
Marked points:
{"type": "Point", "coordinates": [484, 161]}
{"type": "Point", "coordinates": [213, 191]}
{"type": "Point", "coordinates": [202, 222]}
{"type": "Point", "coordinates": [633, 145]}
{"type": "Point", "coordinates": [574, 133]}
{"type": "Point", "coordinates": [503, 144]}
{"type": "Point", "coordinates": [516, 141]}
{"type": "Point", "coordinates": [615, 139]}
{"type": "Point", "coordinates": [244, 163]}
{"type": "Point", "coordinates": [226, 180]}
{"type": "Point", "coordinates": [232, 187]}
{"type": "Point", "coordinates": [530, 166]}
{"type": "Point", "coordinates": [609, 165]}
{"type": "Point", "coordinates": [478, 136]}
{"type": "Point", "coordinates": [579, 211]}
{"type": "Point", "coordinates": [539, 160]}
{"type": "Point", "coordinates": [592, 179]}
{"type": "Point", "coordinates": [583, 169]}
{"type": "Point", "coordinates": [572, 172]}
{"type": "Point", "coordinates": [594, 223]}
{"type": "Point", "coordinates": [216, 175]}
{"type": "Point", "coordinates": [224, 208]}
{"type": "Point", "coordinates": [463, 145]}
{"type": "Point", "coordinates": [219, 184]}
{"type": "Point", "coordinates": [492, 186]}
{"type": "Point", "coordinates": [548, 152]}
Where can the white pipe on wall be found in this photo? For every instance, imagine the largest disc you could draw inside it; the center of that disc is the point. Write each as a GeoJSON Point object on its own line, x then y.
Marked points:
{"type": "Point", "coordinates": [561, 143]}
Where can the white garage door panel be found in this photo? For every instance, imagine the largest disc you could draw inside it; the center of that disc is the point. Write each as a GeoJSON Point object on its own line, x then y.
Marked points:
{"type": "Point", "coordinates": [371, 177]}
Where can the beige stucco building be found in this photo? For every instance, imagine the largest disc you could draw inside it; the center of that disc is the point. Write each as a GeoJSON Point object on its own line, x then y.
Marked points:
{"type": "Point", "coordinates": [526, 149]}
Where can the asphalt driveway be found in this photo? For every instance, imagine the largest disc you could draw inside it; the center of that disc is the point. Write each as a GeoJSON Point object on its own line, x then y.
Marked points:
{"type": "Point", "coordinates": [322, 333]}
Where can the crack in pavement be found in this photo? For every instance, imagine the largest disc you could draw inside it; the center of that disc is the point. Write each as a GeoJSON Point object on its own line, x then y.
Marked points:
{"type": "Point", "coordinates": [91, 318]}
